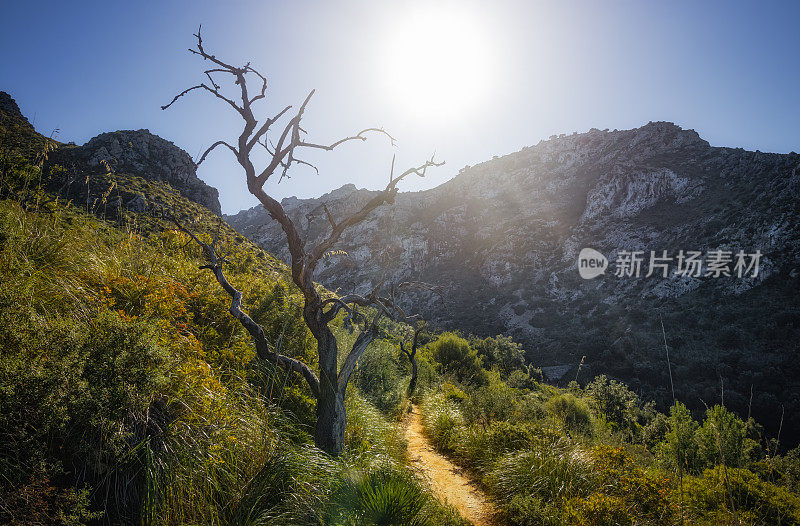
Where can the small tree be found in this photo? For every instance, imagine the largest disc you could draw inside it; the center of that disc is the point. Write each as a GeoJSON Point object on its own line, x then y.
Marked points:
{"type": "Point", "coordinates": [411, 354]}
{"type": "Point", "coordinates": [679, 450]}
{"type": "Point", "coordinates": [329, 387]}
{"type": "Point", "coordinates": [457, 359]}
{"type": "Point", "coordinates": [616, 402]}
{"type": "Point", "coordinates": [722, 438]}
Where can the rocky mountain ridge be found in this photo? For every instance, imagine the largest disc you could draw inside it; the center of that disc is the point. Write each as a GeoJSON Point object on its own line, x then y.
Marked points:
{"type": "Point", "coordinates": [503, 238]}
{"type": "Point", "coordinates": [136, 153]}
{"type": "Point", "coordinates": [143, 154]}
{"type": "Point", "coordinates": [10, 108]}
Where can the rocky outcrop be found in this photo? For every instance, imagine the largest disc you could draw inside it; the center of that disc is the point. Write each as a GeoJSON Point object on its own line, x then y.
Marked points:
{"type": "Point", "coordinates": [503, 238]}
{"type": "Point", "coordinates": [9, 106]}
{"type": "Point", "coordinates": [145, 155]}
{"type": "Point", "coordinates": [130, 152]}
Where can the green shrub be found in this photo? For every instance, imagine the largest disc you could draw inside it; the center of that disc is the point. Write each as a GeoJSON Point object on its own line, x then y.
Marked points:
{"type": "Point", "coordinates": [722, 438]}
{"type": "Point", "coordinates": [489, 403]}
{"type": "Point", "coordinates": [452, 393]}
{"type": "Point", "coordinates": [502, 353]}
{"type": "Point", "coordinates": [442, 422]}
{"type": "Point", "coordinates": [572, 412]}
{"type": "Point", "coordinates": [732, 495]}
{"type": "Point", "coordinates": [551, 470]}
{"type": "Point", "coordinates": [679, 451]}
{"type": "Point", "coordinates": [39, 502]}
{"type": "Point", "coordinates": [378, 378]}
{"type": "Point", "coordinates": [529, 510]}
{"type": "Point", "coordinates": [655, 428]}
{"type": "Point", "coordinates": [457, 359]}
{"type": "Point", "coordinates": [786, 469]}
{"type": "Point", "coordinates": [368, 430]}
{"type": "Point", "coordinates": [616, 402]}
{"type": "Point", "coordinates": [480, 447]}
{"type": "Point", "coordinates": [382, 498]}
{"type": "Point", "coordinates": [623, 493]}
{"type": "Point", "coordinates": [520, 379]}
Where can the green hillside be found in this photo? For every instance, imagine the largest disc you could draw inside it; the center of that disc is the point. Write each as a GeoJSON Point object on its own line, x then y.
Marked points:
{"type": "Point", "coordinates": [129, 394]}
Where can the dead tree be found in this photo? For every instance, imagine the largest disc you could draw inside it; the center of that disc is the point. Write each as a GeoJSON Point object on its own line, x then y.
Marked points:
{"type": "Point", "coordinates": [412, 355]}
{"type": "Point", "coordinates": [329, 387]}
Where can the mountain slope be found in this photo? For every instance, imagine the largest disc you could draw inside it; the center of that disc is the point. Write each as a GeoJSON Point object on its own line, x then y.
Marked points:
{"type": "Point", "coordinates": [503, 238]}
{"type": "Point", "coordinates": [128, 392]}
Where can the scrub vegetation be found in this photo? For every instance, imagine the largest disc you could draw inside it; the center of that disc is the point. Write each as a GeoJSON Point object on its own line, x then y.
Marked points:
{"type": "Point", "coordinates": [130, 394]}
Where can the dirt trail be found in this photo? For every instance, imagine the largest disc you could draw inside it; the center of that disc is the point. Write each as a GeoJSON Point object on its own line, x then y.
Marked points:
{"type": "Point", "coordinates": [446, 479]}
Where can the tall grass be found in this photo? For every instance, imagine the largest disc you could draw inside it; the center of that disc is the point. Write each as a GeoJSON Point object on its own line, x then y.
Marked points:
{"type": "Point", "coordinates": [551, 469]}
{"type": "Point", "coordinates": [441, 420]}
{"type": "Point", "coordinates": [126, 388]}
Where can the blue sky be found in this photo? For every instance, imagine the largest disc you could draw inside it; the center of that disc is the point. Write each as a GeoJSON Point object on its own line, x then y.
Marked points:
{"type": "Point", "coordinates": [729, 70]}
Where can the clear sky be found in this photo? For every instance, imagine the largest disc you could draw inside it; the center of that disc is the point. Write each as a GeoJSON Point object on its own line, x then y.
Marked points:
{"type": "Point", "coordinates": [467, 79]}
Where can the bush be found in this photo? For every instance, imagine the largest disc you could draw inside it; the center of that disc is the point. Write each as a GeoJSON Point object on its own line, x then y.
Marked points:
{"type": "Point", "coordinates": [489, 403]}
{"type": "Point", "coordinates": [679, 450]}
{"type": "Point", "coordinates": [457, 359]}
{"type": "Point", "coordinates": [618, 404]}
{"type": "Point", "coordinates": [520, 379]}
{"type": "Point", "coordinates": [572, 412]}
{"type": "Point", "coordinates": [721, 439]}
{"type": "Point", "coordinates": [442, 421]}
{"type": "Point", "coordinates": [786, 469]}
{"type": "Point", "coordinates": [481, 446]}
{"type": "Point", "coordinates": [378, 378]}
{"type": "Point", "coordinates": [727, 495]}
{"type": "Point", "coordinates": [368, 430]}
{"type": "Point", "coordinates": [623, 493]}
{"type": "Point", "coordinates": [382, 498]}
{"type": "Point", "coordinates": [551, 470]}
{"type": "Point", "coordinates": [528, 510]}
{"type": "Point", "coordinates": [502, 353]}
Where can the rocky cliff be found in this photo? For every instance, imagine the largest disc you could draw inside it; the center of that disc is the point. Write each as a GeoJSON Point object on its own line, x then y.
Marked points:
{"type": "Point", "coordinates": [142, 154]}
{"type": "Point", "coordinates": [503, 238]}
{"type": "Point", "coordinates": [9, 109]}
{"type": "Point", "coordinates": [138, 153]}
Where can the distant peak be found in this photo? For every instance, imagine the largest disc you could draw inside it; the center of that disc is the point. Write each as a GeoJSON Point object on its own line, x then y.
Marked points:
{"type": "Point", "coordinates": [654, 133]}
{"type": "Point", "coordinates": [668, 133]}
{"type": "Point", "coordinates": [342, 191]}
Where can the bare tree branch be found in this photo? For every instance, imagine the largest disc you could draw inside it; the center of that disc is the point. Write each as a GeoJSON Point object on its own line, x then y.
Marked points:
{"type": "Point", "coordinates": [328, 214]}
{"type": "Point", "coordinates": [256, 331]}
{"type": "Point", "coordinates": [385, 196]}
{"type": "Point", "coordinates": [265, 127]}
{"type": "Point", "coordinates": [210, 148]}
{"type": "Point", "coordinates": [330, 386]}
{"type": "Point", "coordinates": [359, 136]}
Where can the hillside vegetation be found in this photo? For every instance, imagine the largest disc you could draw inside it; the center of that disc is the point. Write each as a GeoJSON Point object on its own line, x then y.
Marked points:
{"type": "Point", "coordinates": [503, 238]}
{"type": "Point", "coordinates": [129, 394]}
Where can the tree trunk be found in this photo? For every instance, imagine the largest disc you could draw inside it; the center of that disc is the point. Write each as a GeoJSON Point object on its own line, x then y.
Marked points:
{"type": "Point", "coordinates": [331, 415]}
{"type": "Point", "coordinates": [413, 383]}
{"type": "Point", "coordinates": [331, 420]}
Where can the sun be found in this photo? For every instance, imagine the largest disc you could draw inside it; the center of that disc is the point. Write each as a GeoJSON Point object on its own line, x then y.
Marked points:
{"type": "Point", "coordinates": [436, 62]}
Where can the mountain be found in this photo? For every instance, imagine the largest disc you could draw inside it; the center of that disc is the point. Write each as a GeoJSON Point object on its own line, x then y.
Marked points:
{"type": "Point", "coordinates": [142, 154]}
{"type": "Point", "coordinates": [86, 172]}
{"type": "Point", "coordinates": [502, 238]}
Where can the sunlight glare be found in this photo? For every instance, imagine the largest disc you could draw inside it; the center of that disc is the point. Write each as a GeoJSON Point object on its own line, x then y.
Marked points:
{"type": "Point", "coordinates": [436, 62]}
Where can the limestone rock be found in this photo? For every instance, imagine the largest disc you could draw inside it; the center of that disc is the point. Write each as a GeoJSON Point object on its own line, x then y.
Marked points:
{"type": "Point", "coordinates": [141, 153]}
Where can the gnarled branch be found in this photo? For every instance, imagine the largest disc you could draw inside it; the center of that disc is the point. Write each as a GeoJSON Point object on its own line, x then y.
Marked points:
{"type": "Point", "coordinates": [210, 148]}
{"type": "Point", "coordinates": [385, 196]}
{"type": "Point", "coordinates": [214, 264]}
